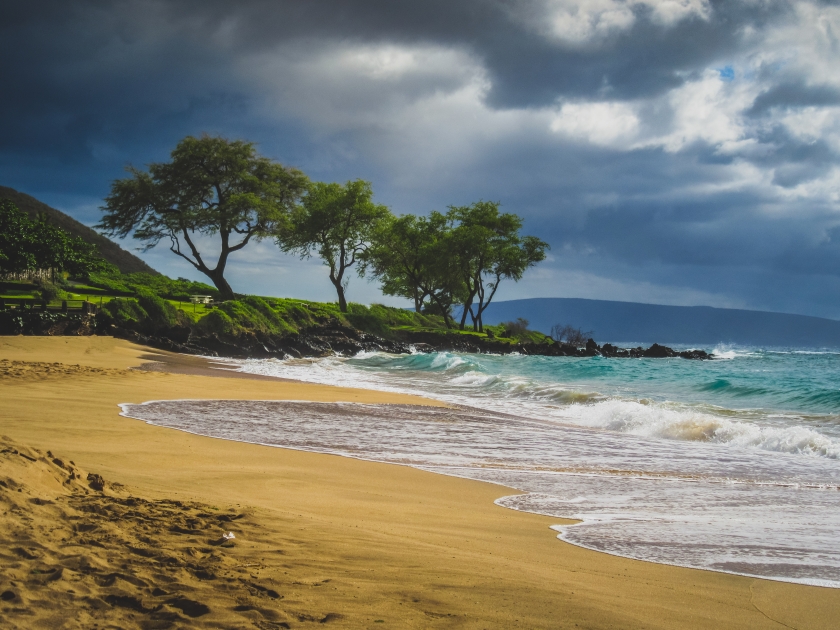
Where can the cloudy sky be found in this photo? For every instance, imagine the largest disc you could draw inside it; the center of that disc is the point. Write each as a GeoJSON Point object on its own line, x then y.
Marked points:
{"type": "Point", "coordinates": [670, 151]}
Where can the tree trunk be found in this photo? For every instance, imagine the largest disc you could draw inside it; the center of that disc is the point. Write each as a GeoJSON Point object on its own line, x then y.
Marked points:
{"type": "Point", "coordinates": [225, 291]}
{"type": "Point", "coordinates": [342, 301]}
{"type": "Point", "coordinates": [482, 305]}
{"type": "Point", "coordinates": [443, 310]}
{"type": "Point", "coordinates": [467, 306]}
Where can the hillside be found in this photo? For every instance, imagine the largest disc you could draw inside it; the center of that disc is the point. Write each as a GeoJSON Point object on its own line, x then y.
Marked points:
{"type": "Point", "coordinates": [125, 261]}
{"type": "Point", "coordinates": [647, 323]}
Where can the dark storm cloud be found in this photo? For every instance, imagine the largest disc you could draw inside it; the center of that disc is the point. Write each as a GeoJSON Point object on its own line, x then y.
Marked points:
{"type": "Point", "coordinates": [93, 53]}
{"type": "Point", "coordinates": [81, 73]}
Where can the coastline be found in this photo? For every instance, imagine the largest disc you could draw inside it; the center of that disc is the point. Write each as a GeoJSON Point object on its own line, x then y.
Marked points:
{"type": "Point", "coordinates": [412, 548]}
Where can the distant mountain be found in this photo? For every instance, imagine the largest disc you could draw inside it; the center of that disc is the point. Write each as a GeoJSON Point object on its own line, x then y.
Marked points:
{"type": "Point", "coordinates": [125, 261]}
{"type": "Point", "coordinates": [649, 323]}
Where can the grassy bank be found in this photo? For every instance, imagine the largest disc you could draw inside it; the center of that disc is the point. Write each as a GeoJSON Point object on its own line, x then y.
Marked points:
{"type": "Point", "coordinates": [145, 302]}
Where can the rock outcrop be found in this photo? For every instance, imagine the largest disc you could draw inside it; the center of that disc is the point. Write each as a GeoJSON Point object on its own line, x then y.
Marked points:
{"type": "Point", "coordinates": [326, 339]}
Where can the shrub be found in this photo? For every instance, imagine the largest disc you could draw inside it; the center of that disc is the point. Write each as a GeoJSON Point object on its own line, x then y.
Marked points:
{"type": "Point", "coordinates": [566, 333]}
{"type": "Point", "coordinates": [50, 292]}
{"type": "Point", "coordinates": [217, 321]}
{"type": "Point", "coordinates": [245, 316]}
{"type": "Point", "coordinates": [274, 322]}
{"type": "Point", "coordinates": [112, 283]}
{"type": "Point", "coordinates": [515, 328]}
{"type": "Point", "coordinates": [362, 318]}
{"type": "Point", "coordinates": [160, 313]}
{"type": "Point", "coordinates": [125, 313]}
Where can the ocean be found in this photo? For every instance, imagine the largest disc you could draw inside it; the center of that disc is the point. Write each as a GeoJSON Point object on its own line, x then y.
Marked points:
{"type": "Point", "coordinates": [728, 465]}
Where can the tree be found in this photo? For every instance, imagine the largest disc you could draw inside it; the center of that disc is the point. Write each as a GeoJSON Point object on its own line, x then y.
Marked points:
{"type": "Point", "coordinates": [27, 245]}
{"type": "Point", "coordinates": [566, 333]}
{"type": "Point", "coordinates": [211, 186]}
{"type": "Point", "coordinates": [409, 255]}
{"type": "Point", "coordinates": [515, 328]}
{"type": "Point", "coordinates": [58, 250]}
{"type": "Point", "coordinates": [337, 222]}
{"type": "Point", "coordinates": [488, 249]}
{"type": "Point", "coordinates": [16, 255]}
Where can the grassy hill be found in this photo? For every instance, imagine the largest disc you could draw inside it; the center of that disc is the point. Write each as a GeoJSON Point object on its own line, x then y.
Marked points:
{"type": "Point", "coordinates": [125, 261]}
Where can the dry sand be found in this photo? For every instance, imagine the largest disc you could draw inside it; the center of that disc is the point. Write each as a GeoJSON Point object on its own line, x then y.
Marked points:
{"type": "Point", "coordinates": [319, 539]}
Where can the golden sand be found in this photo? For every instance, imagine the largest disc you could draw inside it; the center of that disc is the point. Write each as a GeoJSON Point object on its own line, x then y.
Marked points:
{"type": "Point", "coordinates": [319, 539]}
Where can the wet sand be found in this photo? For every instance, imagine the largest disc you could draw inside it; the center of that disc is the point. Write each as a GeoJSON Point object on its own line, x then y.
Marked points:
{"type": "Point", "coordinates": [318, 540]}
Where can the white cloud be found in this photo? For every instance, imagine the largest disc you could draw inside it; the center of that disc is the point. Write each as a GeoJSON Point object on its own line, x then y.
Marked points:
{"type": "Point", "coordinates": [350, 85]}
{"type": "Point", "coordinates": [601, 123]}
{"type": "Point", "coordinates": [578, 22]}
{"type": "Point", "coordinates": [709, 110]}
{"type": "Point", "coordinates": [669, 12]}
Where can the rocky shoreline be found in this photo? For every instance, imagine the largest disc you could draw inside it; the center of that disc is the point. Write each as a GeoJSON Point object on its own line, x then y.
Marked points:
{"type": "Point", "coordinates": [318, 341]}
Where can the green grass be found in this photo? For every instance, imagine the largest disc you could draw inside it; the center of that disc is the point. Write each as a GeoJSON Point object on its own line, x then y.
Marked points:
{"type": "Point", "coordinates": [17, 290]}
{"type": "Point", "coordinates": [146, 301]}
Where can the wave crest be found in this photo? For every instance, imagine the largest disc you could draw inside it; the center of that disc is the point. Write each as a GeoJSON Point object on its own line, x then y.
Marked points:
{"type": "Point", "coordinates": [662, 421]}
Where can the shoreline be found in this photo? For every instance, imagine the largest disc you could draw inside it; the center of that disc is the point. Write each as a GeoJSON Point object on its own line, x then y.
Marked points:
{"type": "Point", "coordinates": [393, 530]}
{"type": "Point", "coordinates": [560, 528]}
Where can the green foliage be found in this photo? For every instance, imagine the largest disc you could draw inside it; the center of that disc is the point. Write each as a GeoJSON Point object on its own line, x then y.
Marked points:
{"type": "Point", "coordinates": [272, 320]}
{"type": "Point", "coordinates": [125, 313]}
{"type": "Point", "coordinates": [461, 256]}
{"type": "Point", "coordinates": [211, 186]}
{"type": "Point", "coordinates": [516, 331]}
{"type": "Point", "coordinates": [107, 249]}
{"type": "Point", "coordinates": [148, 312]}
{"type": "Point", "coordinates": [270, 316]}
{"type": "Point", "coordinates": [411, 257]}
{"type": "Point", "coordinates": [159, 312]}
{"type": "Point", "coordinates": [383, 321]}
{"type": "Point", "coordinates": [299, 314]}
{"type": "Point", "coordinates": [337, 222]}
{"type": "Point", "coordinates": [50, 292]}
{"type": "Point", "coordinates": [487, 248]}
{"type": "Point", "coordinates": [362, 318]}
{"type": "Point", "coordinates": [111, 282]}
{"type": "Point", "coordinates": [217, 322]}
{"type": "Point", "coordinates": [253, 315]}
{"type": "Point", "coordinates": [132, 283]}
{"type": "Point", "coordinates": [516, 327]}
{"type": "Point", "coordinates": [286, 316]}
{"type": "Point", "coordinates": [27, 245]}
{"type": "Point", "coordinates": [15, 252]}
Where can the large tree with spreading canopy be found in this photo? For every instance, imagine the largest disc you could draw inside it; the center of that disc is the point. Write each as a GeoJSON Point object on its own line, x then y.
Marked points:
{"type": "Point", "coordinates": [210, 187]}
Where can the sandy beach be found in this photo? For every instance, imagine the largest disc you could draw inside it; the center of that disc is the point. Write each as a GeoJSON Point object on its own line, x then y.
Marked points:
{"type": "Point", "coordinates": [319, 539]}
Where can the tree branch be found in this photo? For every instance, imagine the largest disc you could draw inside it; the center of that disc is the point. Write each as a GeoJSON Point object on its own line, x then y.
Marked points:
{"type": "Point", "coordinates": [200, 266]}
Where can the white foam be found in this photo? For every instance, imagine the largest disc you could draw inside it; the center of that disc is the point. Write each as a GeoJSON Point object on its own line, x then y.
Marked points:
{"type": "Point", "coordinates": [448, 381]}
{"type": "Point", "coordinates": [681, 423]}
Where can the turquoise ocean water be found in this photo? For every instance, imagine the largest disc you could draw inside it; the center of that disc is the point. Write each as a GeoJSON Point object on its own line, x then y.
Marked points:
{"type": "Point", "coordinates": [728, 465]}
